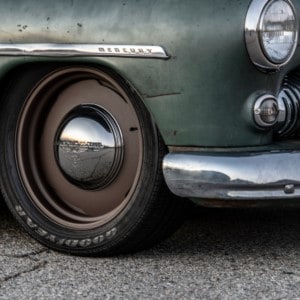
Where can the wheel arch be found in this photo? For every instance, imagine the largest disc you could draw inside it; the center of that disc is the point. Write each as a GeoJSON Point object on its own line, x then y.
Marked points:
{"type": "Point", "coordinates": [110, 69]}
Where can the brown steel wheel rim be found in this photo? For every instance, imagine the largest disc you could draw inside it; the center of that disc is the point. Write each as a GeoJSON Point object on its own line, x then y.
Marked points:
{"type": "Point", "coordinates": [45, 110]}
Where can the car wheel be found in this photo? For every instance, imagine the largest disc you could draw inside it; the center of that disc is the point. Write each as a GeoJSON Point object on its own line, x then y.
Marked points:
{"type": "Point", "coordinates": [81, 162]}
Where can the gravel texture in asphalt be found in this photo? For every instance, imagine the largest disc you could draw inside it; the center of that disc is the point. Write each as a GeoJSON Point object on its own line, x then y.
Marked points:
{"type": "Point", "coordinates": [217, 254]}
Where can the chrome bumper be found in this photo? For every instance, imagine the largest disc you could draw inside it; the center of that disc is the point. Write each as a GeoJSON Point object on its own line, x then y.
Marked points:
{"type": "Point", "coordinates": [249, 176]}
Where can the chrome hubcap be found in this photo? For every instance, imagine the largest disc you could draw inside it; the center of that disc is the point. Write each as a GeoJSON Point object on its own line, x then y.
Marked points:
{"type": "Point", "coordinates": [89, 147]}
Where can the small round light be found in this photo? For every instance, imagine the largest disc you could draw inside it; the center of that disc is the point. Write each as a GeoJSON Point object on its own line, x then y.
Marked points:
{"type": "Point", "coordinates": [266, 111]}
{"type": "Point", "coordinates": [278, 31]}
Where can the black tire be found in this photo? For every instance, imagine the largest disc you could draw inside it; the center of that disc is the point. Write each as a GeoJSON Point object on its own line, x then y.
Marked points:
{"type": "Point", "coordinates": [130, 212]}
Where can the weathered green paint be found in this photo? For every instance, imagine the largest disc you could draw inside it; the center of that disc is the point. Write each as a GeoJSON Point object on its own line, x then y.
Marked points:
{"type": "Point", "coordinates": [201, 96]}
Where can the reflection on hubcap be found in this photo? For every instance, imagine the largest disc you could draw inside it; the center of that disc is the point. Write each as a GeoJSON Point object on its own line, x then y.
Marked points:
{"type": "Point", "coordinates": [89, 147]}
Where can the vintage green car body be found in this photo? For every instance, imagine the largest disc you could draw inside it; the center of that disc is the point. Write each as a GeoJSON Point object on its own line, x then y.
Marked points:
{"type": "Point", "coordinates": [201, 89]}
{"type": "Point", "coordinates": [210, 97]}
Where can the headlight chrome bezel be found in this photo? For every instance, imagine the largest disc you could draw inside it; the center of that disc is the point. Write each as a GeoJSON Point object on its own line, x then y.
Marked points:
{"type": "Point", "coordinates": [253, 26]}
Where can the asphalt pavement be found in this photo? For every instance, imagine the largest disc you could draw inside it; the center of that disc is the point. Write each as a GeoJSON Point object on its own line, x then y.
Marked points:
{"type": "Point", "coordinates": [217, 254]}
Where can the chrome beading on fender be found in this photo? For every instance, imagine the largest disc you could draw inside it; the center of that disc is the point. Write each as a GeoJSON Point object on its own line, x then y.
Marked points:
{"type": "Point", "coordinates": [69, 50]}
{"type": "Point", "coordinates": [234, 176]}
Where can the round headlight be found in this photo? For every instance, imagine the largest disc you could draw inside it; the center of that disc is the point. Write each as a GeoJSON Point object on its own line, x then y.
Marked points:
{"type": "Point", "coordinates": [278, 31]}
{"type": "Point", "coordinates": [271, 32]}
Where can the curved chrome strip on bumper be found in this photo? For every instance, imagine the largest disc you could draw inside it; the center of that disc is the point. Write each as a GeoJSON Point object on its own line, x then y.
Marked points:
{"type": "Point", "coordinates": [260, 175]}
{"type": "Point", "coordinates": [63, 50]}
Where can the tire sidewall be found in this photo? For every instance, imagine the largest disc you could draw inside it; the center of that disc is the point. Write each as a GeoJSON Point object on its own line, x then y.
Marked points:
{"type": "Point", "coordinates": [103, 238]}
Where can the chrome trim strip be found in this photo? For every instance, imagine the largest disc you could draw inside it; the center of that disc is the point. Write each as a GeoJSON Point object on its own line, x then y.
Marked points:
{"type": "Point", "coordinates": [69, 50]}
{"type": "Point", "coordinates": [246, 176]}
